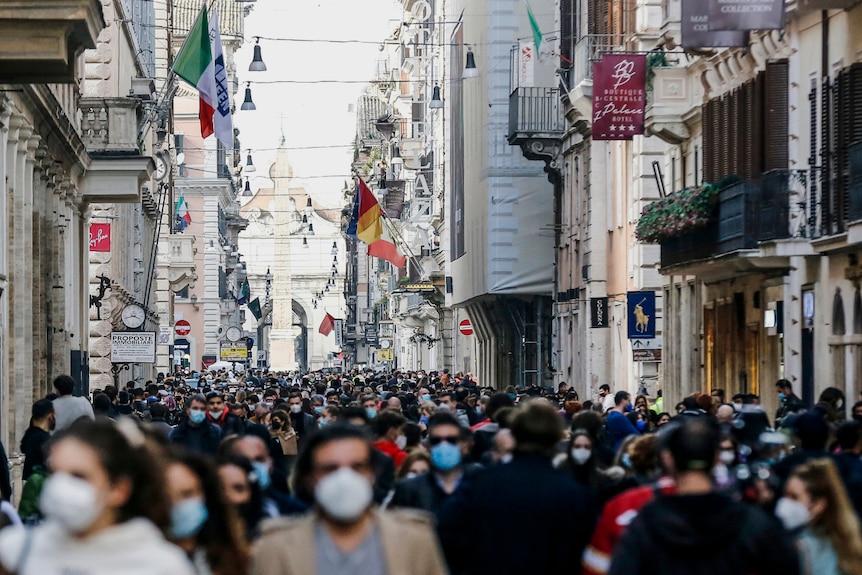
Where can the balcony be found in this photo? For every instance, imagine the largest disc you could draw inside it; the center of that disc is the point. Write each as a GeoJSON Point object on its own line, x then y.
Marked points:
{"type": "Point", "coordinates": [757, 224]}
{"type": "Point", "coordinates": [109, 126]}
{"type": "Point", "coordinates": [672, 104]}
{"type": "Point", "coordinates": [181, 261]}
{"type": "Point", "coordinates": [40, 41]}
{"type": "Point", "coordinates": [537, 123]}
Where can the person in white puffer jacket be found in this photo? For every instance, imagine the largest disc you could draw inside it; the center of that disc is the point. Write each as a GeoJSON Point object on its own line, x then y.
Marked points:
{"type": "Point", "coordinates": [105, 509]}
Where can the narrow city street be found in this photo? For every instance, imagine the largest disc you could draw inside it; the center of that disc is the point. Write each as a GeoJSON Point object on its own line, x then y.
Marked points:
{"type": "Point", "coordinates": [430, 287]}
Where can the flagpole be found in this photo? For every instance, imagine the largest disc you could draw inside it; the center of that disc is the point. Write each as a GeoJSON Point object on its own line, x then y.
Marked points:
{"type": "Point", "coordinates": [396, 235]}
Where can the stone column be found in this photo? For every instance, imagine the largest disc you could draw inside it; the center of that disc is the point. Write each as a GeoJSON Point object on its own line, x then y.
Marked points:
{"type": "Point", "coordinates": [20, 237]}
{"type": "Point", "coordinates": [32, 336]}
{"type": "Point", "coordinates": [6, 109]}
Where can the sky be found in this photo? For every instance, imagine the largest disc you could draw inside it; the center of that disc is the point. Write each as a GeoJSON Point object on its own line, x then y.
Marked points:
{"type": "Point", "coordinates": [310, 114]}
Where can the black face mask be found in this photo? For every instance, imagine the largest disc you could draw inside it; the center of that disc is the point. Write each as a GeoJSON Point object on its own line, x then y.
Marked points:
{"type": "Point", "coordinates": [857, 416]}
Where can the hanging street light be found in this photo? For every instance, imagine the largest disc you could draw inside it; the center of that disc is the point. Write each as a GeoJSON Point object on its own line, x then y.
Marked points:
{"type": "Point", "coordinates": [257, 64]}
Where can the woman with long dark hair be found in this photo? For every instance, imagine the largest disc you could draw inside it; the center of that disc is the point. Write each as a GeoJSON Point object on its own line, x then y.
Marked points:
{"type": "Point", "coordinates": [203, 524]}
{"type": "Point", "coordinates": [105, 506]}
{"type": "Point", "coordinates": [242, 490]}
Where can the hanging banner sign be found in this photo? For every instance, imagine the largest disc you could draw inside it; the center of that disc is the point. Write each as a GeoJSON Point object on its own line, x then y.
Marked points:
{"type": "Point", "coordinates": [698, 31]}
{"type": "Point", "coordinates": [599, 312]}
{"type": "Point", "coordinates": [746, 14]}
{"type": "Point", "coordinates": [619, 96]}
{"type": "Point", "coordinates": [339, 333]}
{"type": "Point", "coordinates": [100, 237]}
{"type": "Point", "coordinates": [527, 64]}
{"type": "Point", "coordinates": [641, 314]}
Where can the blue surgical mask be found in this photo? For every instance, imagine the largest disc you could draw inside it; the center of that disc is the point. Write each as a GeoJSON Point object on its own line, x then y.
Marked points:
{"type": "Point", "coordinates": [782, 396]}
{"type": "Point", "coordinates": [479, 410]}
{"type": "Point", "coordinates": [322, 422]}
{"type": "Point", "coordinates": [261, 469]}
{"type": "Point", "coordinates": [641, 425]}
{"type": "Point", "coordinates": [512, 396]}
{"type": "Point", "coordinates": [626, 460]}
{"type": "Point", "coordinates": [197, 416]}
{"type": "Point", "coordinates": [426, 397]}
{"type": "Point", "coordinates": [318, 409]}
{"type": "Point", "coordinates": [445, 456]}
{"type": "Point", "coordinates": [188, 517]}
{"type": "Point", "coordinates": [371, 412]}
{"type": "Point", "coordinates": [628, 407]}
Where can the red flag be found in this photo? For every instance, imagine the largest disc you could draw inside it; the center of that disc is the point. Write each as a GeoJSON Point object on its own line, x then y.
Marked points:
{"type": "Point", "coordinates": [387, 251]}
{"type": "Point", "coordinates": [327, 325]}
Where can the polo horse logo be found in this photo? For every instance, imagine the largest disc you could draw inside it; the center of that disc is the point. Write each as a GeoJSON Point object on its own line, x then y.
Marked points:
{"type": "Point", "coordinates": [641, 319]}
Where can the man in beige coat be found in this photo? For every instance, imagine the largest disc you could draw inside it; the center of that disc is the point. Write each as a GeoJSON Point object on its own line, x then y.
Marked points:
{"type": "Point", "coordinates": [345, 535]}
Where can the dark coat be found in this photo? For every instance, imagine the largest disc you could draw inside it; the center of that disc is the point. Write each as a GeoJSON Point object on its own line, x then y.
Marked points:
{"type": "Point", "coordinates": [203, 439]}
{"type": "Point", "coordinates": [304, 425]}
{"type": "Point", "coordinates": [706, 534]}
{"type": "Point", "coordinates": [424, 492]}
{"type": "Point", "coordinates": [539, 514]}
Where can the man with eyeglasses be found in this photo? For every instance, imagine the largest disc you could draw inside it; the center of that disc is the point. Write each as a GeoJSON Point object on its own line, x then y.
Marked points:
{"type": "Point", "coordinates": [448, 443]}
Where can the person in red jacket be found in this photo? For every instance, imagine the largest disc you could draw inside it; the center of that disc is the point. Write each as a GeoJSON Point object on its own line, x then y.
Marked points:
{"type": "Point", "coordinates": [389, 426]}
{"type": "Point", "coordinates": [618, 513]}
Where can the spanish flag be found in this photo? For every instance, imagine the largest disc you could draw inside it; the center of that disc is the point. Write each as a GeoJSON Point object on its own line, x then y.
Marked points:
{"type": "Point", "coordinates": [369, 227]}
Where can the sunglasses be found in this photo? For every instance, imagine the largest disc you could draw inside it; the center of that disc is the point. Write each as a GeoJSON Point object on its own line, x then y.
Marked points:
{"type": "Point", "coordinates": [453, 439]}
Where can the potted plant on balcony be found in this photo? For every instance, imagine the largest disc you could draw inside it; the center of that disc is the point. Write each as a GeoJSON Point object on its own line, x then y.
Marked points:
{"type": "Point", "coordinates": [681, 212]}
{"type": "Point", "coordinates": [677, 214]}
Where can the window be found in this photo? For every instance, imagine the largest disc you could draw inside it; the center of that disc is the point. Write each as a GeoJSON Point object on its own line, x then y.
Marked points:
{"type": "Point", "coordinates": [746, 130]}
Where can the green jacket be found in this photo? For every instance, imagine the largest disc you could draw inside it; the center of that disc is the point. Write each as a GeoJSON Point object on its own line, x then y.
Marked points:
{"type": "Point", "coordinates": [28, 509]}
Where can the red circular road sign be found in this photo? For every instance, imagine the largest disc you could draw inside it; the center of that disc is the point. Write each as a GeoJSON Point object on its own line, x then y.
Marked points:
{"type": "Point", "coordinates": [183, 327]}
{"type": "Point", "coordinates": [465, 327]}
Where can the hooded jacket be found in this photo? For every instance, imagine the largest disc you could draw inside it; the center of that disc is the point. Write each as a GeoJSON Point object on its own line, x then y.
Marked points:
{"type": "Point", "coordinates": [135, 547]}
{"type": "Point", "coordinates": [707, 534]}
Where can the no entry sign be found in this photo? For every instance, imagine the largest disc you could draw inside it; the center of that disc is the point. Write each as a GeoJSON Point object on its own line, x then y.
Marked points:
{"type": "Point", "coordinates": [465, 327]}
{"type": "Point", "coordinates": [183, 328]}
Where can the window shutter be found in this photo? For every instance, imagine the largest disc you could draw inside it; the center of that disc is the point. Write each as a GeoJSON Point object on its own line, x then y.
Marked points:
{"type": "Point", "coordinates": [567, 30]}
{"type": "Point", "coordinates": [710, 153]}
{"type": "Point", "coordinates": [724, 165]}
{"type": "Point", "coordinates": [776, 114]}
{"type": "Point", "coordinates": [826, 157]}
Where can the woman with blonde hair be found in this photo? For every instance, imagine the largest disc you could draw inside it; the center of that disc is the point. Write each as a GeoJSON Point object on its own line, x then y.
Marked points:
{"type": "Point", "coordinates": [816, 507]}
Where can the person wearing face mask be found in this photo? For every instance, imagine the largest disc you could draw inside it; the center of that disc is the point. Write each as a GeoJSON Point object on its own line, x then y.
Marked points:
{"type": "Point", "coordinates": [33, 445]}
{"type": "Point", "coordinates": [283, 443]}
{"type": "Point", "coordinates": [583, 465]}
{"type": "Point", "coordinates": [242, 491]}
{"type": "Point", "coordinates": [194, 432]}
{"type": "Point", "coordinates": [105, 507]}
{"type": "Point", "coordinates": [303, 423]}
{"type": "Point", "coordinates": [218, 413]}
{"type": "Point", "coordinates": [815, 507]}
{"type": "Point", "coordinates": [448, 446]}
{"type": "Point", "coordinates": [389, 428]}
{"type": "Point", "coordinates": [273, 485]}
{"type": "Point", "coordinates": [203, 524]}
{"type": "Point", "coordinates": [346, 534]}
{"type": "Point", "coordinates": [317, 402]}
{"type": "Point", "coordinates": [678, 533]}
{"type": "Point", "coordinates": [787, 400]}
{"type": "Point", "coordinates": [617, 425]}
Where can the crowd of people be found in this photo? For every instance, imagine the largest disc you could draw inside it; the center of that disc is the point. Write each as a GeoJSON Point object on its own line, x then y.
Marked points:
{"type": "Point", "coordinates": [429, 473]}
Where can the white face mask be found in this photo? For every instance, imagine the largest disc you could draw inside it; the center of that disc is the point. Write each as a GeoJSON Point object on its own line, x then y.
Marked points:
{"type": "Point", "coordinates": [344, 495]}
{"type": "Point", "coordinates": [581, 455]}
{"type": "Point", "coordinates": [70, 501]}
{"type": "Point", "coordinates": [295, 408]}
{"type": "Point", "coordinates": [401, 442]}
{"type": "Point", "coordinates": [792, 513]}
{"type": "Point", "coordinates": [727, 457]}
{"type": "Point", "coordinates": [216, 413]}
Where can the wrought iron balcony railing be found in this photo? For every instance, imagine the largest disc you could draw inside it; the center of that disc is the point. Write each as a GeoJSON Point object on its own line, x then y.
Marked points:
{"type": "Point", "coordinates": [535, 112]}
{"type": "Point", "coordinates": [775, 206]}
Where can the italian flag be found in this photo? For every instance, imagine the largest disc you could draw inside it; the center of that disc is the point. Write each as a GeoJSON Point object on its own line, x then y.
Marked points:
{"type": "Point", "coordinates": [201, 64]}
{"type": "Point", "coordinates": [182, 213]}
